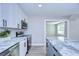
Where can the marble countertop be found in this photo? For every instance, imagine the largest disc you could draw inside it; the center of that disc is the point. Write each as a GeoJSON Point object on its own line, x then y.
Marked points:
{"type": "Point", "coordinates": [8, 43]}
{"type": "Point", "coordinates": [65, 48]}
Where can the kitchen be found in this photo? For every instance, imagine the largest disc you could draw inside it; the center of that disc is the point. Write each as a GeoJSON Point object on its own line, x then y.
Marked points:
{"type": "Point", "coordinates": [14, 39]}
{"type": "Point", "coordinates": [24, 26]}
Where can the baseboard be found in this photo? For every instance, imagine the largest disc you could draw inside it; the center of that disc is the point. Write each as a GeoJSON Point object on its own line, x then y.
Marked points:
{"type": "Point", "coordinates": [36, 44]}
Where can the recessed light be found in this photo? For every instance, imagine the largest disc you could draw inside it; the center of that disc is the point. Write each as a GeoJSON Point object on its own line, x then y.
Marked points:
{"type": "Point", "coordinates": [40, 5]}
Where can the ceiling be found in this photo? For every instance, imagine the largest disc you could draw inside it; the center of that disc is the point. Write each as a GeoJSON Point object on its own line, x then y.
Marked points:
{"type": "Point", "coordinates": [50, 9]}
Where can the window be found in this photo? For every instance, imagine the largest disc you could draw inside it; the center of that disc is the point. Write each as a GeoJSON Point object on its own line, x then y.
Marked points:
{"type": "Point", "coordinates": [60, 29]}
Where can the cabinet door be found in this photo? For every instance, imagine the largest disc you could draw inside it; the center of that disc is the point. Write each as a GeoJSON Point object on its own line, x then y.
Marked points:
{"type": "Point", "coordinates": [50, 51]}
{"type": "Point", "coordinates": [14, 51]}
{"type": "Point", "coordinates": [0, 10]}
{"type": "Point", "coordinates": [1, 22]}
{"type": "Point", "coordinates": [5, 12]}
{"type": "Point", "coordinates": [55, 51]}
{"type": "Point", "coordinates": [13, 16]}
{"type": "Point", "coordinates": [9, 14]}
{"type": "Point", "coordinates": [23, 48]}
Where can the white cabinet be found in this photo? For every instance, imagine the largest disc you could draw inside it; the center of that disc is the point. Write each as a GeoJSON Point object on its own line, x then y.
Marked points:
{"type": "Point", "coordinates": [51, 50]}
{"type": "Point", "coordinates": [23, 47]}
{"type": "Point", "coordinates": [5, 12]}
{"type": "Point", "coordinates": [12, 13]}
{"type": "Point", "coordinates": [1, 20]}
{"type": "Point", "coordinates": [14, 50]}
{"type": "Point", "coordinates": [1, 24]}
{"type": "Point", "coordinates": [5, 9]}
{"type": "Point", "coordinates": [13, 16]}
{"type": "Point", "coordinates": [0, 10]}
{"type": "Point", "coordinates": [8, 12]}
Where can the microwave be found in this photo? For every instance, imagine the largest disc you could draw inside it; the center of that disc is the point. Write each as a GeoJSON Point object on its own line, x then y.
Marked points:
{"type": "Point", "coordinates": [23, 24]}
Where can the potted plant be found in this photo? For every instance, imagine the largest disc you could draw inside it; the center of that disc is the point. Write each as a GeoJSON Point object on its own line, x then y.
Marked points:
{"type": "Point", "coordinates": [4, 35]}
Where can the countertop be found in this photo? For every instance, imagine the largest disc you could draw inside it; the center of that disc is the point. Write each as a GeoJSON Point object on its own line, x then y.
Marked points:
{"type": "Point", "coordinates": [8, 43]}
{"type": "Point", "coordinates": [29, 35]}
{"type": "Point", "coordinates": [65, 48]}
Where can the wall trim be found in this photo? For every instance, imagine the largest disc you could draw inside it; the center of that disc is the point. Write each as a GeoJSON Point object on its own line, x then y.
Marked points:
{"type": "Point", "coordinates": [37, 44]}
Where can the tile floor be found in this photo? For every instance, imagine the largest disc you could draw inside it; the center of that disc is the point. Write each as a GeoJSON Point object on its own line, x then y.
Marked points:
{"type": "Point", "coordinates": [36, 51]}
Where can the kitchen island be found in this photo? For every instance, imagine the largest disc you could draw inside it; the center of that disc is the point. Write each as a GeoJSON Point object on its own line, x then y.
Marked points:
{"type": "Point", "coordinates": [56, 47]}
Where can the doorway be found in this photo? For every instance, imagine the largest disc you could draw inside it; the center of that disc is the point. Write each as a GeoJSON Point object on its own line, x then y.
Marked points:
{"type": "Point", "coordinates": [56, 28]}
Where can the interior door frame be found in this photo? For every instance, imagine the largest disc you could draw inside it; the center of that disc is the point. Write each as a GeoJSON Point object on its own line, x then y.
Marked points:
{"type": "Point", "coordinates": [61, 20]}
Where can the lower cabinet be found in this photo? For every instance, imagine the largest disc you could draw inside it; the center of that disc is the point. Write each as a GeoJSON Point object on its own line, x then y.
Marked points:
{"type": "Point", "coordinates": [18, 49]}
{"type": "Point", "coordinates": [23, 47]}
{"type": "Point", "coordinates": [14, 51]}
{"type": "Point", "coordinates": [51, 51]}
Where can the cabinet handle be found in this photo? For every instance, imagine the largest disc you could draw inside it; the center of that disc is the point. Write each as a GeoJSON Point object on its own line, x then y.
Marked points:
{"type": "Point", "coordinates": [53, 54]}
{"type": "Point", "coordinates": [24, 44]}
{"type": "Point", "coordinates": [54, 48]}
{"type": "Point", "coordinates": [46, 44]}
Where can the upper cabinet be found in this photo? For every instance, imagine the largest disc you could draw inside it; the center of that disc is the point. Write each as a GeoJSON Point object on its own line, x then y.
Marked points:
{"type": "Point", "coordinates": [12, 13]}
{"type": "Point", "coordinates": [1, 21]}
{"type": "Point", "coordinates": [8, 14]}
{"type": "Point", "coordinates": [13, 16]}
{"type": "Point", "coordinates": [5, 12]}
{"type": "Point", "coordinates": [0, 11]}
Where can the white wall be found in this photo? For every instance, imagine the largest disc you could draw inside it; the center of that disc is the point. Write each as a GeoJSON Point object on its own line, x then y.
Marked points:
{"type": "Point", "coordinates": [36, 28]}
{"type": "Point", "coordinates": [74, 29]}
